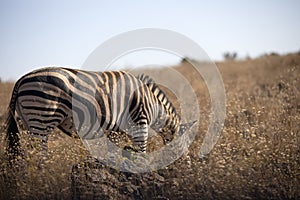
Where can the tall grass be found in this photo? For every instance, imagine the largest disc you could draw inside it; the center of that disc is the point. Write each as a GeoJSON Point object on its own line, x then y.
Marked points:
{"type": "Point", "coordinates": [257, 155]}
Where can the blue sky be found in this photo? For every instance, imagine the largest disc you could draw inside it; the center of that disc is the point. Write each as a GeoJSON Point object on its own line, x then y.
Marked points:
{"type": "Point", "coordinates": [42, 33]}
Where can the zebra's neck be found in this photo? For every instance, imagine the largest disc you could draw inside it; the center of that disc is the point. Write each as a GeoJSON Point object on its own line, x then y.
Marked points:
{"type": "Point", "coordinates": [167, 116]}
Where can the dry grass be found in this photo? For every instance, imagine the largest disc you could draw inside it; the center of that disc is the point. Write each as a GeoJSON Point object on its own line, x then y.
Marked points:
{"type": "Point", "coordinates": [256, 157]}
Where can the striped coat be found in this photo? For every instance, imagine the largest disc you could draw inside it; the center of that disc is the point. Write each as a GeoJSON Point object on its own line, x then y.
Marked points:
{"type": "Point", "coordinates": [88, 103]}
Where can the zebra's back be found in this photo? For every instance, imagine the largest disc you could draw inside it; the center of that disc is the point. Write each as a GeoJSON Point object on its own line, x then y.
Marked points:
{"type": "Point", "coordinates": [53, 97]}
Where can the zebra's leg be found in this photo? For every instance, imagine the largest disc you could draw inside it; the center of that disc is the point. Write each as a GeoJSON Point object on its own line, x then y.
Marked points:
{"type": "Point", "coordinates": [38, 138]}
{"type": "Point", "coordinates": [37, 130]}
{"type": "Point", "coordinates": [39, 146]}
{"type": "Point", "coordinates": [139, 134]}
{"type": "Point", "coordinates": [38, 142]}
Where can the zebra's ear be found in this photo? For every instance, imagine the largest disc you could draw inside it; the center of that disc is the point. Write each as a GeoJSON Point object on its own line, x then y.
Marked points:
{"type": "Point", "coordinates": [184, 127]}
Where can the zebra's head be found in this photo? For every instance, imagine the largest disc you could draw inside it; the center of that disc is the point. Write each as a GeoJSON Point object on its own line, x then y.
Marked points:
{"type": "Point", "coordinates": [171, 128]}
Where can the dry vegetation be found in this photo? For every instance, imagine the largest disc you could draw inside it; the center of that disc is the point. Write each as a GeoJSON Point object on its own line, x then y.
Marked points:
{"type": "Point", "coordinates": [256, 157]}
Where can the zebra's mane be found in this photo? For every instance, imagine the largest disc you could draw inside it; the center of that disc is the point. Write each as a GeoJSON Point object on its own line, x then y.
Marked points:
{"type": "Point", "coordinates": [146, 79]}
{"type": "Point", "coordinates": [153, 87]}
{"type": "Point", "coordinates": [150, 83]}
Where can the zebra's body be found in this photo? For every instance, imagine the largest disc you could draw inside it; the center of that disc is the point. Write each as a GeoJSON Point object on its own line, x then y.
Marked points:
{"type": "Point", "coordinates": [97, 101]}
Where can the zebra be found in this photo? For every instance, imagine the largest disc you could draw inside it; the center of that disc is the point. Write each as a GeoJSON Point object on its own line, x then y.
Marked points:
{"type": "Point", "coordinates": [112, 101]}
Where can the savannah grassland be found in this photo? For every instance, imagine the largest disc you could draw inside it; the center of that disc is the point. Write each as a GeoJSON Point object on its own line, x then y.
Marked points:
{"type": "Point", "coordinates": [256, 157]}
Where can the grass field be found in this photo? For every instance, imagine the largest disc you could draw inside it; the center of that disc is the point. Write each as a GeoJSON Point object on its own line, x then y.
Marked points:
{"type": "Point", "coordinates": [256, 157]}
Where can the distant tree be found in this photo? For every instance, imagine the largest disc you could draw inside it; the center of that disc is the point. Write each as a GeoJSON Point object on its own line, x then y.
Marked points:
{"type": "Point", "coordinates": [248, 57]}
{"type": "Point", "coordinates": [230, 56]}
{"type": "Point", "coordinates": [184, 59]}
{"type": "Point", "coordinates": [274, 54]}
{"type": "Point", "coordinates": [187, 60]}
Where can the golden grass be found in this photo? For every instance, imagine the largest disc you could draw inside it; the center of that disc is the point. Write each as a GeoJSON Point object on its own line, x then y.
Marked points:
{"type": "Point", "coordinates": [256, 157]}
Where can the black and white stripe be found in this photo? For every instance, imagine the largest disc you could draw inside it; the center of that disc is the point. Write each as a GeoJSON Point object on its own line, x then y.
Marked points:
{"type": "Point", "coordinates": [96, 101]}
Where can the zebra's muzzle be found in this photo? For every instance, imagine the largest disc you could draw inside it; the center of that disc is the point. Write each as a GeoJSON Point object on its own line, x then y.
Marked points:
{"type": "Point", "coordinates": [184, 127]}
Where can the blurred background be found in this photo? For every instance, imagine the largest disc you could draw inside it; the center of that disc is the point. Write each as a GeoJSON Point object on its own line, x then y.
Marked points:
{"type": "Point", "coordinates": [63, 33]}
{"type": "Point", "coordinates": [256, 47]}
